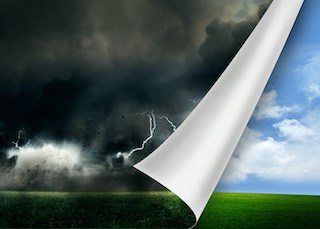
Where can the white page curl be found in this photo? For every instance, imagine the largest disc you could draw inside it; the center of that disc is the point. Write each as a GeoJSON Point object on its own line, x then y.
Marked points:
{"type": "Point", "coordinates": [191, 161]}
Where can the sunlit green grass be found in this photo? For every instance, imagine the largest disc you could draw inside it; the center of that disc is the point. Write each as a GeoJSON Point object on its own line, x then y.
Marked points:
{"type": "Point", "coordinates": [256, 211]}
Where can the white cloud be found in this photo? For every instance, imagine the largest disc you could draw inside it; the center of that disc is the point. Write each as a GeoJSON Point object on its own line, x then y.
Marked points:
{"type": "Point", "coordinates": [310, 73]}
{"type": "Point", "coordinates": [46, 164]}
{"type": "Point", "coordinates": [295, 157]}
{"type": "Point", "coordinates": [292, 152]}
{"type": "Point", "coordinates": [267, 107]}
{"type": "Point", "coordinates": [294, 130]}
{"type": "Point", "coordinates": [313, 91]}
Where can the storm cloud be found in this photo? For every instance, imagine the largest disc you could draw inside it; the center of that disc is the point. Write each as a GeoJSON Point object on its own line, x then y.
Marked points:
{"type": "Point", "coordinates": [84, 71]}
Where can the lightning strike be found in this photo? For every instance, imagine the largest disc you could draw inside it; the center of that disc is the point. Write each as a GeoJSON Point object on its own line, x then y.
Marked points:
{"type": "Point", "coordinates": [174, 127]}
{"type": "Point", "coordinates": [16, 143]}
{"type": "Point", "coordinates": [152, 128]}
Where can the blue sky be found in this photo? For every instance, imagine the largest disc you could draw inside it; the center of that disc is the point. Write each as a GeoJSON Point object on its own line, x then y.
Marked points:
{"type": "Point", "coordinates": [280, 150]}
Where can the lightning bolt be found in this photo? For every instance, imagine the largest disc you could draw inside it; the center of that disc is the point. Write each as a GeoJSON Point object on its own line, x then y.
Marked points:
{"type": "Point", "coordinates": [16, 143]}
{"type": "Point", "coordinates": [174, 127]}
{"type": "Point", "coordinates": [152, 128]}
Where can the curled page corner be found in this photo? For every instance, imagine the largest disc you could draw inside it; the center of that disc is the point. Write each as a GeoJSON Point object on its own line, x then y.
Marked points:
{"type": "Point", "coordinates": [191, 161]}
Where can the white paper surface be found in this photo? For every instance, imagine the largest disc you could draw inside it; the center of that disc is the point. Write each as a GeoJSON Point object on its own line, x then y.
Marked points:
{"type": "Point", "coordinates": [191, 161]}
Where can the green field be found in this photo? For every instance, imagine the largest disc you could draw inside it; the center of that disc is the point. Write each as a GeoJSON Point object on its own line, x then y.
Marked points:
{"type": "Point", "coordinates": [155, 210]}
{"type": "Point", "coordinates": [257, 211]}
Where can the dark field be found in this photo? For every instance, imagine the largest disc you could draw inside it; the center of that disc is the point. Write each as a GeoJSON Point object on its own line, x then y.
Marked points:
{"type": "Point", "coordinates": [108, 210]}
{"type": "Point", "coordinates": [155, 210]}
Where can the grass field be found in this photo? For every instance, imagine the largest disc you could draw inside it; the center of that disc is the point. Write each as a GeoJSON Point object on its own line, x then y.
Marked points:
{"type": "Point", "coordinates": [107, 210]}
{"type": "Point", "coordinates": [155, 210]}
{"type": "Point", "coordinates": [257, 211]}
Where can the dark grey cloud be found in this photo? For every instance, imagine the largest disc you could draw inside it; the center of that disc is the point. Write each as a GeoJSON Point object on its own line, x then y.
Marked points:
{"type": "Point", "coordinates": [82, 70]}
{"type": "Point", "coordinates": [224, 39]}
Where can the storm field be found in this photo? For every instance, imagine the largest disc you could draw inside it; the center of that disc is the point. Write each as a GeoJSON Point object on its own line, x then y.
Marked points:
{"type": "Point", "coordinates": [155, 210]}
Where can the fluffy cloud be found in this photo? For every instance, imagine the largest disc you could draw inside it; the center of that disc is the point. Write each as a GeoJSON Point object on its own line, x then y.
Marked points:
{"type": "Point", "coordinates": [313, 91]}
{"type": "Point", "coordinates": [267, 107]}
{"type": "Point", "coordinates": [292, 156]}
{"type": "Point", "coordinates": [290, 152]}
{"type": "Point", "coordinates": [309, 71]}
{"type": "Point", "coordinates": [294, 130]}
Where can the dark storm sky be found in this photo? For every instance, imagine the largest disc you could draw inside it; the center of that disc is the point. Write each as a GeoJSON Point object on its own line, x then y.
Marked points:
{"type": "Point", "coordinates": [82, 70]}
